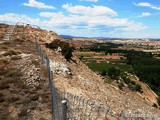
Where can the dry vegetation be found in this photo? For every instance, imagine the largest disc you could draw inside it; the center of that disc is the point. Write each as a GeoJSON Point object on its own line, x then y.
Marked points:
{"type": "Point", "coordinates": [19, 101]}
{"type": "Point", "coordinates": [19, 62]}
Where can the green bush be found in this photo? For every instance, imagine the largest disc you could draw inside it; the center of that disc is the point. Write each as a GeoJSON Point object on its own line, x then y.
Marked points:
{"type": "Point", "coordinates": [103, 73]}
{"type": "Point", "coordinates": [126, 80]}
{"type": "Point", "coordinates": [121, 85]}
{"type": "Point", "coordinates": [138, 87]}
{"type": "Point", "coordinates": [67, 51]}
{"type": "Point", "coordinates": [66, 48]}
{"type": "Point", "coordinates": [133, 83]}
{"type": "Point", "coordinates": [113, 72]}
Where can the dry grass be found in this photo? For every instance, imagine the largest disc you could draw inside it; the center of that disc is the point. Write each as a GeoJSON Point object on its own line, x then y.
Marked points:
{"type": "Point", "coordinates": [4, 47]}
{"type": "Point", "coordinates": [23, 112]}
{"type": "Point", "coordinates": [13, 72]}
{"type": "Point", "coordinates": [36, 63]}
{"type": "Point", "coordinates": [16, 98]}
{"type": "Point", "coordinates": [1, 97]}
{"type": "Point", "coordinates": [12, 52]}
{"type": "Point", "coordinates": [15, 58]}
{"type": "Point", "coordinates": [19, 40]}
{"type": "Point", "coordinates": [6, 42]}
{"type": "Point", "coordinates": [3, 62]}
{"type": "Point", "coordinates": [34, 97]}
{"type": "Point", "coordinates": [44, 71]}
{"type": "Point", "coordinates": [11, 98]}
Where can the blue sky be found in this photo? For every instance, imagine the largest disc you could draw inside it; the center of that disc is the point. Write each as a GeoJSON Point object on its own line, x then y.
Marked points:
{"type": "Point", "coordinates": [88, 18]}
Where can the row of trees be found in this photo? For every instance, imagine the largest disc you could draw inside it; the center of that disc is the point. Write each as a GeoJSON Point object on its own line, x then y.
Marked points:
{"type": "Point", "coordinates": [101, 47]}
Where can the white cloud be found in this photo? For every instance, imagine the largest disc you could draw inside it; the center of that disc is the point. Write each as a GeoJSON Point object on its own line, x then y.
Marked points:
{"type": "Point", "coordinates": [90, 0]}
{"type": "Point", "coordinates": [142, 4]}
{"type": "Point", "coordinates": [14, 18]}
{"type": "Point", "coordinates": [79, 21]}
{"type": "Point", "coordinates": [92, 11]}
{"type": "Point", "coordinates": [145, 14]}
{"type": "Point", "coordinates": [40, 5]}
{"type": "Point", "coordinates": [146, 4]}
{"type": "Point", "coordinates": [90, 22]}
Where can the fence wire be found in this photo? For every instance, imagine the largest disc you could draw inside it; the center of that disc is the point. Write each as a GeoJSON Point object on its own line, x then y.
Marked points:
{"type": "Point", "coordinates": [78, 107]}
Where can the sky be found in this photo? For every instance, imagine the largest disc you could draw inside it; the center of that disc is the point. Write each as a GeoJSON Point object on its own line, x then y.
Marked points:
{"type": "Point", "coordinates": [87, 18]}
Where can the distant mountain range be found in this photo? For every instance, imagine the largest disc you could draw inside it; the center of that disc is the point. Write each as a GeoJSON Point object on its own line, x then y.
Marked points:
{"type": "Point", "coordinates": [106, 38]}
{"type": "Point", "coordinates": [70, 37]}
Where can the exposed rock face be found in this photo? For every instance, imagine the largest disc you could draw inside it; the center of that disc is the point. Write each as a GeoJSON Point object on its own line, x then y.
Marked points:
{"type": "Point", "coordinates": [59, 68]}
{"type": "Point", "coordinates": [31, 73]}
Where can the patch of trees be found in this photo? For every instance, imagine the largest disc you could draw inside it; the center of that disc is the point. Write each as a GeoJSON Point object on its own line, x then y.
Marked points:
{"type": "Point", "coordinates": [102, 47]}
{"type": "Point", "coordinates": [65, 47]}
{"type": "Point", "coordinates": [146, 67]}
{"type": "Point", "coordinates": [113, 72]}
{"type": "Point", "coordinates": [131, 84]}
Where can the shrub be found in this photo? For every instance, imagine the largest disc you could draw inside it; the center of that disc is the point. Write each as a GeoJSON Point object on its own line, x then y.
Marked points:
{"type": "Point", "coordinates": [108, 80]}
{"type": "Point", "coordinates": [126, 80]}
{"type": "Point", "coordinates": [67, 52]}
{"type": "Point", "coordinates": [155, 105]}
{"type": "Point", "coordinates": [120, 86]}
{"type": "Point", "coordinates": [81, 57]}
{"type": "Point", "coordinates": [113, 72]}
{"type": "Point", "coordinates": [133, 82]}
{"type": "Point", "coordinates": [130, 86]}
{"type": "Point", "coordinates": [103, 73]}
{"type": "Point", "coordinates": [138, 87]}
{"type": "Point", "coordinates": [66, 49]}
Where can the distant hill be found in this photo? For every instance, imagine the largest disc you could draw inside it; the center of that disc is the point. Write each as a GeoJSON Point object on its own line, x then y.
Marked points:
{"type": "Point", "coordinates": [106, 38]}
{"type": "Point", "coordinates": [69, 36]}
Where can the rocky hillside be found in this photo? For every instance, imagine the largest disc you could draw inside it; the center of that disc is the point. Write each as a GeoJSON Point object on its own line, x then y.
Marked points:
{"type": "Point", "coordinates": [24, 91]}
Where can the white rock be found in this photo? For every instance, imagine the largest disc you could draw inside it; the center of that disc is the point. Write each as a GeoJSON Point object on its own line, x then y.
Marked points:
{"type": "Point", "coordinates": [59, 67]}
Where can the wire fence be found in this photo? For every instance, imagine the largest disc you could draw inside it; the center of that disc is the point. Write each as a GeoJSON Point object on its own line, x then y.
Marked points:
{"type": "Point", "coordinates": [67, 106]}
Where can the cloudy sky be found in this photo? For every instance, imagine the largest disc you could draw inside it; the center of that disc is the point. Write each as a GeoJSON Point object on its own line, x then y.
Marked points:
{"type": "Point", "coordinates": [87, 18]}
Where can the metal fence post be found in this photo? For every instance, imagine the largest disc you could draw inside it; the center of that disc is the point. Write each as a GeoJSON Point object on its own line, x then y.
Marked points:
{"type": "Point", "coordinates": [64, 110]}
